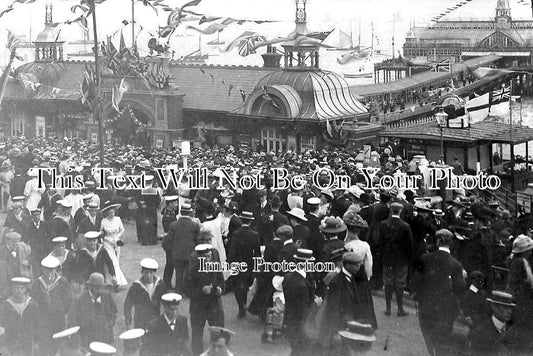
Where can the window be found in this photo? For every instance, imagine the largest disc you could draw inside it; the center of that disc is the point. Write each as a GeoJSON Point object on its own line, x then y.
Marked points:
{"type": "Point", "coordinates": [307, 143]}
{"type": "Point", "coordinates": [160, 111]}
{"type": "Point", "coordinates": [272, 140]}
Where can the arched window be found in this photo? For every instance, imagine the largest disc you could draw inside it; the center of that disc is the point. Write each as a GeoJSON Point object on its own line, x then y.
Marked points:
{"type": "Point", "coordinates": [498, 40]}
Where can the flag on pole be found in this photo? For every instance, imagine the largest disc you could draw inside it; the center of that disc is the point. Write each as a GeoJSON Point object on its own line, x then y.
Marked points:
{"type": "Point", "coordinates": [13, 42]}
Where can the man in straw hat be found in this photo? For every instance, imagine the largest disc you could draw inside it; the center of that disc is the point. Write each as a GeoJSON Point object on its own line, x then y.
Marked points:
{"type": "Point", "coordinates": [439, 285]}
{"type": "Point", "coordinates": [397, 254]}
{"type": "Point", "coordinates": [20, 318]}
{"type": "Point", "coordinates": [52, 293]}
{"type": "Point", "coordinates": [68, 342]}
{"type": "Point", "coordinates": [144, 296]}
{"type": "Point", "coordinates": [168, 334]}
{"type": "Point", "coordinates": [220, 338]}
{"type": "Point", "coordinates": [205, 290]}
{"type": "Point", "coordinates": [244, 246]}
{"type": "Point", "coordinates": [298, 220]}
{"type": "Point", "coordinates": [94, 311]}
{"type": "Point", "coordinates": [181, 236]}
{"type": "Point", "coordinates": [497, 335]}
{"type": "Point", "coordinates": [298, 292]}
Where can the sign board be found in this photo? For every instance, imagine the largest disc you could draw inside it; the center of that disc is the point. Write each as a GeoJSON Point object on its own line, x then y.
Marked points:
{"type": "Point", "coordinates": [523, 201]}
{"type": "Point", "coordinates": [94, 137]}
{"type": "Point", "coordinates": [176, 143]}
{"type": "Point", "coordinates": [159, 143]}
{"type": "Point", "coordinates": [185, 148]}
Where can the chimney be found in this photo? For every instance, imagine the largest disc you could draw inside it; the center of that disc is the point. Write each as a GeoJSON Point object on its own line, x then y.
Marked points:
{"type": "Point", "coordinates": [271, 58]}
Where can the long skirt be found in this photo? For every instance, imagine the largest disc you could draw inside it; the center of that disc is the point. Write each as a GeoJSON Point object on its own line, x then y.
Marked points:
{"type": "Point", "coordinates": [113, 254]}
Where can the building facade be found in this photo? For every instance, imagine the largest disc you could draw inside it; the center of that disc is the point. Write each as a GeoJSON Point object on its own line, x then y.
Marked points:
{"type": "Point", "coordinates": [462, 39]}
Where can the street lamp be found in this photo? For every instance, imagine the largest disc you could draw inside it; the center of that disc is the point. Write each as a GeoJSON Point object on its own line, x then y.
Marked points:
{"type": "Point", "coordinates": [442, 120]}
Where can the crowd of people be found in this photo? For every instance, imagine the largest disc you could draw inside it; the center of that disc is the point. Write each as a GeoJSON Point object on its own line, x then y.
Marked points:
{"type": "Point", "coordinates": [464, 260]}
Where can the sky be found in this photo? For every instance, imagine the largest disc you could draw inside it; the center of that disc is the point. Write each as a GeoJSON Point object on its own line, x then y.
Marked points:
{"type": "Point", "coordinates": [389, 18]}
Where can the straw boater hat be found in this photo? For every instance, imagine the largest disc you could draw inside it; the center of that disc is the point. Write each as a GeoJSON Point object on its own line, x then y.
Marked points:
{"type": "Point", "coordinates": [356, 331]}
{"type": "Point", "coordinates": [108, 206]}
{"type": "Point", "coordinates": [332, 225]}
{"type": "Point", "coordinates": [502, 298]}
{"type": "Point", "coordinates": [304, 255]}
{"type": "Point", "coordinates": [246, 215]}
{"type": "Point", "coordinates": [522, 243]}
{"type": "Point", "coordinates": [438, 212]}
{"type": "Point", "coordinates": [298, 213]}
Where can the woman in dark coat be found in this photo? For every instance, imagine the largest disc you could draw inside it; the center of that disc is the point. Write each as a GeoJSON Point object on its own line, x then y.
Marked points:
{"type": "Point", "coordinates": [520, 282]}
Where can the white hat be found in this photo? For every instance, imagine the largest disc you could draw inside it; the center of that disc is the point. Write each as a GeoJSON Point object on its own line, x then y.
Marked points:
{"type": "Point", "coordinates": [92, 234]}
{"type": "Point", "coordinates": [171, 298]}
{"type": "Point", "coordinates": [60, 239]}
{"type": "Point", "coordinates": [148, 178]}
{"type": "Point", "coordinates": [149, 263]}
{"type": "Point", "coordinates": [169, 198]}
{"type": "Point", "coordinates": [50, 262]}
{"type": "Point", "coordinates": [313, 201]}
{"type": "Point", "coordinates": [102, 348]}
{"type": "Point", "coordinates": [203, 247]}
{"type": "Point", "coordinates": [297, 213]}
{"type": "Point", "coordinates": [66, 333]}
{"type": "Point", "coordinates": [20, 280]}
{"type": "Point", "coordinates": [87, 197]}
{"type": "Point", "coordinates": [132, 334]}
{"type": "Point", "coordinates": [32, 172]}
{"type": "Point", "coordinates": [65, 203]}
{"type": "Point", "coordinates": [355, 191]}
{"type": "Point", "coordinates": [277, 282]}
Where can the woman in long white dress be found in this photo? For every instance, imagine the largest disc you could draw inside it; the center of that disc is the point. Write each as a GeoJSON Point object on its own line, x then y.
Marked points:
{"type": "Point", "coordinates": [111, 230]}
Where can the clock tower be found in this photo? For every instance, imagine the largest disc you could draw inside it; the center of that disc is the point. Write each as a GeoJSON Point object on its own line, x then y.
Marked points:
{"type": "Point", "coordinates": [503, 14]}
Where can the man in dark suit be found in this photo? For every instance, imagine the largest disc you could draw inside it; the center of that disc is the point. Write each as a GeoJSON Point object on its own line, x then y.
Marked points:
{"type": "Point", "coordinates": [316, 239]}
{"type": "Point", "coordinates": [182, 234]}
{"type": "Point", "coordinates": [168, 334]}
{"type": "Point", "coordinates": [49, 202]}
{"type": "Point", "coordinates": [244, 246]}
{"type": "Point", "coordinates": [91, 222]}
{"type": "Point", "coordinates": [439, 284]}
{"type": "Point", "coordinates": [235, 223]}
{"type": "Point", "coordinates": [262, 215]}
{"type": "Point", "coordinates": [380, 212]}
{"type": "Point", "coordinates": [397, 252]}
{"type": "Point", "coordinates": [37, 236]}
{"type": "Point", "coordinates": [94, 312]}
{"type": "Point", "coordinates": [82, 212]}
{"type": "Point", "coordinates": [288, 250]}
{"type": "Point", "coordinates": [497, 336]}
{"type": "Point", "coordinates": [205, 290]}
{"type": "Point", "coordinates": [299, 228]}
{"type": "Point", "coordinates": [299, 296]}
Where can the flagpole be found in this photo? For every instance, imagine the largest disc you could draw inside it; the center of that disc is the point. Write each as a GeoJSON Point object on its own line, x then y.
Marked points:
{"type": "Point", "coordinates": [96, 107]}
{"type": "Point", "coordinates": [133, 25]}
{"type": "Point", "coordinates": [511, 137]}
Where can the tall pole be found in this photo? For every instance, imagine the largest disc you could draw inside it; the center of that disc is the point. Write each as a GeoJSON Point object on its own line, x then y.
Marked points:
{"type": "Point", "coordinates": [133, 25]}
{"type": "Point", "coordinates": [96, 107]}
{"type": "Point", "coordinates": [511, 137]}
{"type": "Point", "coordinates": [441, 146]}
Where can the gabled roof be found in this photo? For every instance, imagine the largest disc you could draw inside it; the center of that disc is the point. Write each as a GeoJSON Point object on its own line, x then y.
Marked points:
{"type": "Point", "coordinates": [207, 87]}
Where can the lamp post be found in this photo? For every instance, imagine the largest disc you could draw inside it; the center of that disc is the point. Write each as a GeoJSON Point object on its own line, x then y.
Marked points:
{"type": "Point", "coordinates": [442, 119]}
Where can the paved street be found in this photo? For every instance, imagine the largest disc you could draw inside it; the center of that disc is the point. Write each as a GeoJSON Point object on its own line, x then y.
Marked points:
{"type": "Point", "coordinates": [395, 336]}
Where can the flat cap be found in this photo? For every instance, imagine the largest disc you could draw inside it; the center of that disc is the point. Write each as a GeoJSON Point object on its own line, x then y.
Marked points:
{"type": "Point", "coordinates": [353, 256]}
{"type": "Point", "coordinates": [13, 236]}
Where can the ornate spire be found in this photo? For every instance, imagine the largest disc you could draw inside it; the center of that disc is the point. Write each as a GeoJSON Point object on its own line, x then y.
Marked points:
{"type": "Point", "coordinates": [503, 8]}
{"type": "Point", "coordinates": [301, 11]}
{"type": "Point", "coordinates": [48, 14]}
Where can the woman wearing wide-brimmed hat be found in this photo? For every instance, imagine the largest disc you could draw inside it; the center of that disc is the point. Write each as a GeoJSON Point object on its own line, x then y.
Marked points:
{"type": "Point", "coordinates": [355, 224]}
{"type": "Point", "coordinates": [112, 230]}
{"type": "Point", "coordinates": [520, 281]}
{"type": "Point", "coordinates": [331, 227]}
